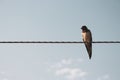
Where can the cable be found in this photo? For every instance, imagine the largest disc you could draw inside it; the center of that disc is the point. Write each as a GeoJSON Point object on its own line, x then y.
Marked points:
{"type": "Point", "coordinates": [58, 42]}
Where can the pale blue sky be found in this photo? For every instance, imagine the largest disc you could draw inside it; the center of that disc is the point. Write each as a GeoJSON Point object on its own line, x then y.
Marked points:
{"type": "Point", "coordinates": [59, 20]}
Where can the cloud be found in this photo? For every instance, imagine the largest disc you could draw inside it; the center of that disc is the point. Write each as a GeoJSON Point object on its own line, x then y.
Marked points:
{"type": "Point", "coordinates": [3, 75]}
{"type": "Point", "coordinates": [104, 77]}
{"type": "Point", "coordinates": [4, 79]}
{"type": "Point", "coordinates": [71, 73]}
{"type": "Point", "coordinates": [62, 63]}
{"type": "Point", "coordinates": [67, 68]}
{"type": "Point", "coordinates": [66, 62]}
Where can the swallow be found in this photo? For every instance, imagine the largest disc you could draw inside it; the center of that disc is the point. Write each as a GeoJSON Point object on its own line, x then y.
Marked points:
{"type": "Point", "coordinates": [87, 39]}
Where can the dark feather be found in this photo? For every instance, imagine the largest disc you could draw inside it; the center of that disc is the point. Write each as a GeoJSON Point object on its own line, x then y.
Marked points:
{"type": "Point", "coordinates": [88, 46]}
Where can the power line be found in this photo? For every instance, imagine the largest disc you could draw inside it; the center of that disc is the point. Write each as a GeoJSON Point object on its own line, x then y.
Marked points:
{"type": "Point", "coordinates": [58, 42]}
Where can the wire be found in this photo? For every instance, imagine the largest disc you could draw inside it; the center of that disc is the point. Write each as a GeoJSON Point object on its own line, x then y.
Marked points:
{"type": "Point", "coordinates": [57, 42]}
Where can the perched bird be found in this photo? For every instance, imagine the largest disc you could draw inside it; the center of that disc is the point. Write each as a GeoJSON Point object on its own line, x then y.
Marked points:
{"type": "Point", "coordinates": [87, 39]}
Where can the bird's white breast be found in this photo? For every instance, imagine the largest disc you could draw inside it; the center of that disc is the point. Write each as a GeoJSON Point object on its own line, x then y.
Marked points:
{"type": "Point", "coordinates": [86, 36]}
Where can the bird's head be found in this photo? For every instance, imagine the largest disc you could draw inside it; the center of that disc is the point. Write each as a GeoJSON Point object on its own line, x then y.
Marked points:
{"type": "Point", "coordinates": [84, 28]}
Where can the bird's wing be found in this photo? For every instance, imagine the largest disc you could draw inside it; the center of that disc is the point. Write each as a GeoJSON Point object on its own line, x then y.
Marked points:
{"type": "Point", "coordinates": [89, 49]}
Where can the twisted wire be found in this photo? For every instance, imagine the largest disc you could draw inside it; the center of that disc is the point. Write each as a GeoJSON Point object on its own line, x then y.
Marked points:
{"type": "Point", "coordinates": [58, 42]}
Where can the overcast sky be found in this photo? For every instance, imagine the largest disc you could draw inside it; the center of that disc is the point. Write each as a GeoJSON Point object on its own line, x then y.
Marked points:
{"type": "Point", "coordinates": [59, 20]}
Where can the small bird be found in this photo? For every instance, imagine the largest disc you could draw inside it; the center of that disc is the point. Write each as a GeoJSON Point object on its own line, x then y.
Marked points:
{"type": "Point", "coordinates": [87, 39]}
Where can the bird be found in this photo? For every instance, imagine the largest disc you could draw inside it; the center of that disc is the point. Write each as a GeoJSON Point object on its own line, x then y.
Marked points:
{"type": "Point", "coordinates": [87, 39]}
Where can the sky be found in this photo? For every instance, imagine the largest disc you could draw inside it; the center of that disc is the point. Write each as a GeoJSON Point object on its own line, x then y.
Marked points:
{"type": "Point", "coordinates": [59, 20]}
